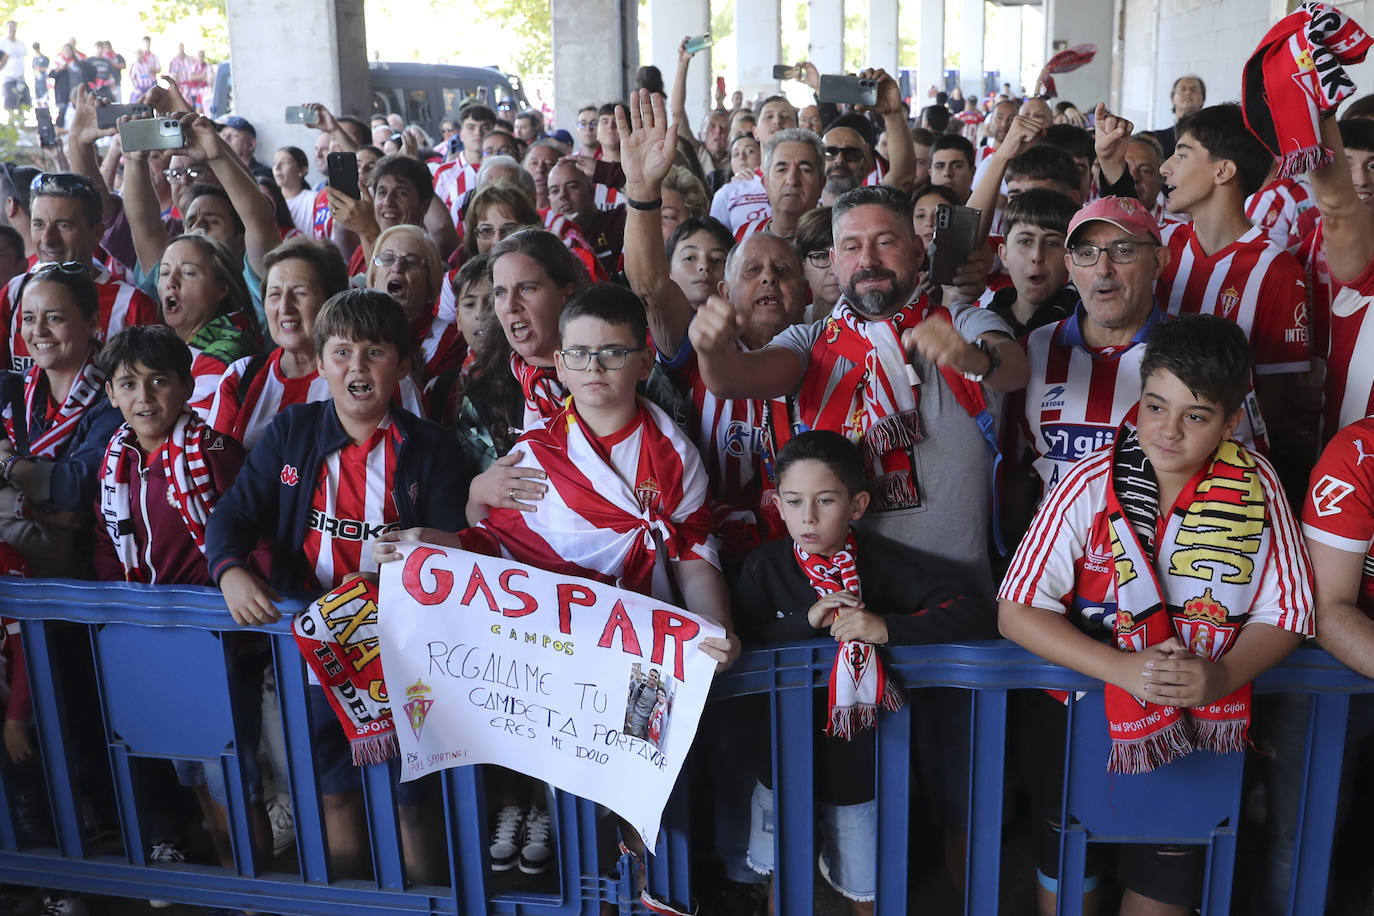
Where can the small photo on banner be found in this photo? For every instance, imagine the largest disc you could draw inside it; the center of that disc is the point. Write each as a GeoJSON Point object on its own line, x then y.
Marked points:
{"type": "Point", "coordinates": [649, 703]}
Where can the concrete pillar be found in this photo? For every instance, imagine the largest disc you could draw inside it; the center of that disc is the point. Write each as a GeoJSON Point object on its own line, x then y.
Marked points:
{"type": "Point", "coordinates": [930, 61]}
{"type": "Point", "coordinates": [883, 35]}
{"type": "Point", "coordinates": [595, 54]}
{"type": "Point", "coordinates": [669, 22]}
{"type": "Point", "coordinates": [971, 52]}
{"type": "Point", "coordinates": [1076, 22]}
{"type": "Point", "coordinates": [758, 45]}
{"type": "Point", "coordinates": [273, 68]}
{"type": "Point", "coordinates": [827, 35]}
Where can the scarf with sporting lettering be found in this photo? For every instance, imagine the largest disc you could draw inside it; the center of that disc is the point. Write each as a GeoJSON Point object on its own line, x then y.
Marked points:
{"type": "Point", "coordinates": [594, 522]}
{"type": "Point", "coordinates": [544, 393]}
{"type": "Point", "coordinates": [858, 682]}
{"type": "Point", "coordinates": [1198, 582]}
{"type": "Point", "coordinates": [1296, 75]}
{"type": "Point", "coordinates": [188, 480]}
{"type": "Point", "coordinates": [337, 635]}
{"type": "Point", "coordinates": [85, 391]}
{"type": "Point", "coordinates": [875, 402]}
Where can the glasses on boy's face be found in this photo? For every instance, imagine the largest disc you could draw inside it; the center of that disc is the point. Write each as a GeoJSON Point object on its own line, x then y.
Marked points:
{"type": "Point", "coordinates": [1119, 252]}
{"type": "Point", "coordinates": [608, 358]}
{"type": "Point", "coordinates": [407, 261]}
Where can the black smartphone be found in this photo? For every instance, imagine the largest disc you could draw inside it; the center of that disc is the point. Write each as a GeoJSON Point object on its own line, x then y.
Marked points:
{"type": "Point", "coordinates": [784, 72]}
{"type": "Point", "coordinates": [107, 115]}
{"type": "Point", "coordinates": [956, 234]}
{"type": "Point", "coordinates": [47, 134]}
{"type": "Point", "coordinates": [848, 90]}
{"type": "Point", "coordinates": [343, 173]}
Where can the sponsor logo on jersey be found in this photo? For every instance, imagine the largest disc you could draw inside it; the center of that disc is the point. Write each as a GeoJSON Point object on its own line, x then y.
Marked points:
{"type": "Point", "coordinates": [289, 475]}
{"type": "Point", "coordinates": [1328, 493]}
{"type": "Point", "coordinates": [1360, 453]}
{"type": "Point", "coordinates": [349, 529]}
{"type": "Point", "coordinates": [1053, 398]}
{"type": "Point", "coordinates": [1098, 558]}
{"type": "Point", "coordinates": [1072, 441]}
{"type": "Point", "coordinates": [742, 440]}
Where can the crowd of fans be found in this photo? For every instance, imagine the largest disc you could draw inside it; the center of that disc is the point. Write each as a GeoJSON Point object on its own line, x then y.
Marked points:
{"type": "Point", "coordinates": [740, 360]}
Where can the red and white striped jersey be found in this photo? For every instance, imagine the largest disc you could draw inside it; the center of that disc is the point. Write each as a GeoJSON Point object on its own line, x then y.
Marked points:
{"type": "Point", "coordinates": [1350, 355]}
{"type": "Point", "coordinates": [206, 373]}
{"type": "Point", "coordinates": [353, 504]}
{"type": "Point", "coordinates": [1065, 564]}
{"type": "Point", "coordinates": [608, 198]}
{"type": "Point", "coordinates": [730, 434]}
{"type": "Point", "coordinates": [1251, 282]}
{"type": "Point", "coordinates": [1338, 510]}
{"type": "Point", "coordinates": [1311, 254]}
{"type": "Point", "coordinates": [1077, 396]}
{"type": "Point", "coordinates": [439, 342]}
{"type": "Point", "coordinates": [244, 409]}
{"type": "Point", "coordinates": [121, 306]}
{"type": "Point", "coordinates": [321, 217]}
{"type": "Point", "coordinates": [453, 182]}
{"type": "Point", "coordinates": [1276, 207]}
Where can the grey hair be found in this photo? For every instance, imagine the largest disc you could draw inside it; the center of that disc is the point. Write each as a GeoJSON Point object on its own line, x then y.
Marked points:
{"type": "Point", "coordinates": [523, 179]}
{"type": "Point", "coordinates": [793, 135]}
{"type": "Point", "coordinates": [737, 252]}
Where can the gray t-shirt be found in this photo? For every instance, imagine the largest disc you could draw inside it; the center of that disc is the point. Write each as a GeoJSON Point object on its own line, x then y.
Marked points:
{"type": "Point", "coordinates": [952, 465]}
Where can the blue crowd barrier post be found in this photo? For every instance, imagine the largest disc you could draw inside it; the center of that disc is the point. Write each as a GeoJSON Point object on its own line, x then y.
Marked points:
{"type": "Point", "coordinates": [1317, 807]}
{"type": "Point", "coordinates": [305, 796]}
{"type": "Point", "coordinates": [793, 780]}
{"type": "Point", "coordinates": [987, 768]}
{"type": "Point", "coordinates": [893, 787]}
{"type": "Point", "coordinates": [49, 716]}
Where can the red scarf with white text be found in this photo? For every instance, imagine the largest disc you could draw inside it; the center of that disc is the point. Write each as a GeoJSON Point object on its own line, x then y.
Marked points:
{"type": "Point", "coordinates": [85, 391]}
{"type": "Point", "coordinates": [858, 682]}
{"type": "Point", "coordinates": [544, 393]}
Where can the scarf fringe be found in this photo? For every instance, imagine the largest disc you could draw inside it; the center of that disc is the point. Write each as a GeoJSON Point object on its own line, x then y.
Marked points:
{"type": "Point", "coordinates": [845, 721]}
{"type": "Point", "coordinates": [1222, 736]}
{"type": "Point", "coordinates": [374, 749]}
{"type": "Point", "coordinates": [1307, 159]}
{"type": "Point", "coordinates": [898, 431]}
{"type": "Point", "coordinates": [896, 488]}
{"type": "Point", "coordinates": [892, 699]}
{"type": "Point", "coordinates": [1141, 755]}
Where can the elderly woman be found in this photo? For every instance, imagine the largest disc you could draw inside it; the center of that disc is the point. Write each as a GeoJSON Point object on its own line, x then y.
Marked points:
{"type": "Point", "coordinates": [406, 264]}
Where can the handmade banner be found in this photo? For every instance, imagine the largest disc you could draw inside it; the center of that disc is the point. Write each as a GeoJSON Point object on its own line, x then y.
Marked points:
{"type": "Point", "coordinates": [586, 686]}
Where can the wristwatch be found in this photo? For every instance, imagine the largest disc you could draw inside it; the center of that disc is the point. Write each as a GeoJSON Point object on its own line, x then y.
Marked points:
{"type": "Point", "coordinates": [994, 356]}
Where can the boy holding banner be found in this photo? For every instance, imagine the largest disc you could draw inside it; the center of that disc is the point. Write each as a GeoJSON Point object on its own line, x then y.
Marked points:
{"type": "Point", "coordinates": [1169, 565]}
{"type": "Point", "coordinates": [865, 591]}
{"type": "Point", "coordinates": [335, 475]}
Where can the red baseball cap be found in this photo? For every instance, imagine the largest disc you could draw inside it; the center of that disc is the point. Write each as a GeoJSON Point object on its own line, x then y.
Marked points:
{"type": "Point", "coordinates": [1125, 213]}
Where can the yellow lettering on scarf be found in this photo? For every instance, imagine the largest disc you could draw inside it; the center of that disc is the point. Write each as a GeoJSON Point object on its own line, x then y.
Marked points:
{"type": "Point", "coordinates": [1218, 535]}
{"type": "Point", "coordinates": [367, 614]}
{"type": "Point", "coordinates": [1125, 569]}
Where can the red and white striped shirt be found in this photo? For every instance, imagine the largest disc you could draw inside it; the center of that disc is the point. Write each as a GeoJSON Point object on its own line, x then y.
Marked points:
{"type": "Point", "coordinates": [1065, 563]}
{"type": "Point", "coordinates": [1338, 510]}
{"type": "Point", "coordinates": [439, 342]}
{"type": "Point", "coordinates": [1350, 355]}
{"type": "Point", "coordinates": [453, 182]}
{"type": "Point", "coordinates": [753, 227]}
{"type": "Point", "coordinates": [1251, 282]}
{"type": "Point", "coordinates": [737, 202]}
{"type": "Point", "coordinates": [244, 410]}
{"type": "Point", "coordinates": [1276, 207]}
{"type": "Point", "coordinates": [321, 217]}
{"type": "Point", "coordinates": [121, 306]}
{"type": "Point", "coordinates": [1077, 397]}
{"type": "Point", "coordinates": [353, 504]}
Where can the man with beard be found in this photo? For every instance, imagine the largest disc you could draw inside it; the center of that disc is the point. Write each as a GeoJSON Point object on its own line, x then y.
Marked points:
{"type": "Point", "coordinates": [892, 372]}
{"type": "Point", "coordinates": [849, 151]}
{"type": "Point", "coordinates": [571, 195]}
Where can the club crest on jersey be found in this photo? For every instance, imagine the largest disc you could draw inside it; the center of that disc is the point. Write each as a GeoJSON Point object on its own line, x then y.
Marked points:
{"type": "Point", "coordinates": [1130, 634]}
{"type": "Point", "coordinates": [1230, 301]}
{"type": "Point", "coordinates": [289, 475]}
{"type": "Point", "coordinates": [646, 491]}
{"type": "Point", "coordinates": [417, 705]}
{"type": "Point", "coordinates": [1328, 493]}
{"type": "Point", "coordinates": [832, 330]}
{"type": "Point", "coordinates": [1204, 629]}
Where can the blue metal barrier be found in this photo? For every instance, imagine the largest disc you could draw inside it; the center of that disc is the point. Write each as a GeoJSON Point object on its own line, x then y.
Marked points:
{"type": "Point", "coordinates": [164, 676]}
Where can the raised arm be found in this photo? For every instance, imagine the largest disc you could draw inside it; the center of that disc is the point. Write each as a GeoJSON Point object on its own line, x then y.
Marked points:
{"type": "Point", "coordinates": [260, 233]}
{"type": "Point", "coordinates": [647, 149]}
{"type": "Point", "coordinates": [677, 100]}
{"type": "Point", "coordinates": [1111, 137]}
{"type": "Point", "coordinates": [142, 211]}
{"type": "Point", "coordinates": [1347, 224]}
{"type": "Point", "coordinates": [1342, 628]}
{"type": "Point", "coordinates": [81, 147]}
{"type": "Point", "coordinates": [1022, 135]}
{"type": "Point", "coordinates": [330, 125]}
{"type": "Point", "coordinates": [901, 171]}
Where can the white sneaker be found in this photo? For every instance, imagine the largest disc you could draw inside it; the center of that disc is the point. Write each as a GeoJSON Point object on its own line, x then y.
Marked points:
{"type": "Point", "coordinates": [283, 826]}
{"type": "Point", "coordinates": [536, 846]}
{"type": "Point", "coordinates": [505, 839]}
{"type": "Point", "coordinates": [163, 852]}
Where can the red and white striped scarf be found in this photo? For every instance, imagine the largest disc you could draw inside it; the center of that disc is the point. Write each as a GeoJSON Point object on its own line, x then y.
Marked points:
{"type": "Point", "coordinates": [875, 402]}
{"type": "Point", "coordinates": [595, 522]}
{"type": "Point", "coordinates": [85, 391]}
{"type": "Point", "coordinates": [544, 393]}
{"type": "Point", "coordinates": [188, 479]}
{"type": "Point", "coordinates": [858, 683]}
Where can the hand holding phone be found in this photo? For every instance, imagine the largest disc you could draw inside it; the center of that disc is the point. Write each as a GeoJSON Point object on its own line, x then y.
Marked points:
{"type": "Point", "coordinates": [302, 114]}
{"type": "Point", "coordinates": [848, 90]}
{"type": "Point", "coordinates": [107, 116]}
{"type": "Point", "coordinates": [342, 171]}
{"type": "Point", "coordinates": [784, 72]}
{"type": "Point", "coordinates": [47, 134]}
{"type": "Point", "coordinates": [151, 134]}
{"type": "Point", "coordinates": [698, 43]}
{"type": "Point", "coordinates": [956, 234]}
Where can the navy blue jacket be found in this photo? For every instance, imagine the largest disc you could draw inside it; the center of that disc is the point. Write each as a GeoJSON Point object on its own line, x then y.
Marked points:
{"type": "Point", "coordinates": [76, 472]}
{"type": "Point", "coordinates": [271, 496]}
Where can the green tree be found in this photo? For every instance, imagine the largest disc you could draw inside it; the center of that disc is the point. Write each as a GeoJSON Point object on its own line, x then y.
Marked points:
{"type": "Point", "coordinates": [531, 22]}
{"type": "Point", "coordinates": [208, 17]}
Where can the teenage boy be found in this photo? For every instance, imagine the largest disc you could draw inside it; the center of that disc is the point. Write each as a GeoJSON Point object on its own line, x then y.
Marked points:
{"type": "Point", "coordinates": [457, 178]}
{"type": "Point", "coordinates": [162, 475]}
{"type": "Point", "coordinates": [351, 463]}
{"type": "Point", "coordinates": [1135, 571]}
{"type": "Point", "coordinates": [1220, 264]}
{"type": "Point", "coordinates": [829, 579]}
{"type": "Point", "coordinates": [1036, 225]}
